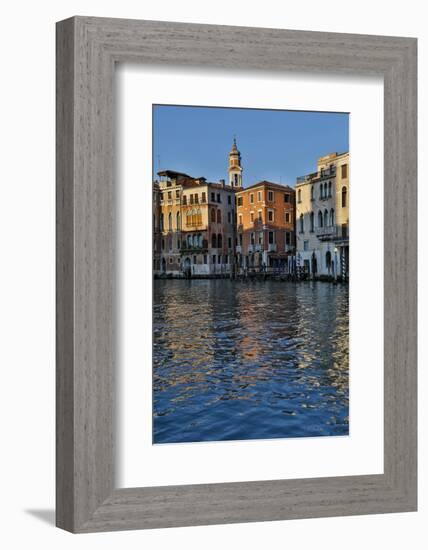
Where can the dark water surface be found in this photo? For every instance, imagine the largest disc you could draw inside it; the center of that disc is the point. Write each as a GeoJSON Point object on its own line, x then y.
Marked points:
{"type": "Point", "coordinates": [255, 360]}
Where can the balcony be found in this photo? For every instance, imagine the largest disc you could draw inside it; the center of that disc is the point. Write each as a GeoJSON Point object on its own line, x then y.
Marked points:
{"type": "Point", "coordinates": [258, 247]}
{"type": "Point", "coordinates": [328, 231]}
{"type": "Point", "coordinates": [307, 177]}
{"type": "Point", "coordinates": [325, 173]}
{"type": "Point", "coordinates": [239, 249]}
{"type": "Point", "coordinates": [333, 232]}
{"type": "Point", "coordinates": [194, 249]}
{"type": "Point", "coordinates": [272, 247]}
{"type": "Point", "coordinates": [329, 173]}
{"type": "Point", "coordinates": [250, 248]}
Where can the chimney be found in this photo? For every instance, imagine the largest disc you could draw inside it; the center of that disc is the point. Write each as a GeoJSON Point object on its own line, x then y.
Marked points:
{"type": "Point", "coordinates": [223, 182]}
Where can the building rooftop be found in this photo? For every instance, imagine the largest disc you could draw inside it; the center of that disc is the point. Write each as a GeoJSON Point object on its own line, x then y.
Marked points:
{"type": "Point", "coordinates": [266, 183]}
{"type": "Point", "coordinates": [314, 176]}
{"type": "Point", "coordinates": [332, 156]}
{"type": "Point", "coordinates": [198, 182]}
{"type": "Point", "coordinates": [173, 174]}
{"type": "Point", "coordinates": [190, 181]}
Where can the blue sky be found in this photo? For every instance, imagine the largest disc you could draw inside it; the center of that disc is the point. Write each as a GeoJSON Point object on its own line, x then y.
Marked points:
{"type": "Point", "coordinates": [276, 146]}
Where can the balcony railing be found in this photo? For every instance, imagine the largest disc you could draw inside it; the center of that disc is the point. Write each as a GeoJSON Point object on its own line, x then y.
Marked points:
{"type": "Point", "coordinates": [325, 231]}
{"type": "Point", "coordinates": [307, 177]}
{"type": "Point", "coordinates": [328, 173]}
{"type": "Point", "coordinates": [272, 247]}
{"type": "Point", "coordinates": [190, 248]}
{"type": "Point", "coordinates": [258, 223]}
{"type": "Point", "coordinates": [336, 232]}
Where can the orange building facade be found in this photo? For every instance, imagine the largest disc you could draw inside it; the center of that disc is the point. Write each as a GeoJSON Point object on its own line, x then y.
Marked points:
{"type": "Point", "coordinates": [205, 228]}
{"type": "Point", "coordinates": [266, 227]}
{"type": "Point", "coordinates": [193, 226]}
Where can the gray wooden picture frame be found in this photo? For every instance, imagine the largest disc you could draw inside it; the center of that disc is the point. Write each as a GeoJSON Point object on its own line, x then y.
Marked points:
{"type": "Point", "coordinates": [87, 50]}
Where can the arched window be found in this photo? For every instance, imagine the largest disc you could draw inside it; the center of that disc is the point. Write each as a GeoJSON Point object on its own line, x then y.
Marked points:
{"type": "Point", "coordinates": [344, 196]}
{"type": "Point", "coordinates": [332, 217]}
{"type": "Point", "coordinates": [299, 195]}
{"type": "Point", "coordinates": [312, 221]}
{"type": "Point", "coordinates": [178, 220]}
{"type": "Point", "coordinates": [214, 240]}
{"type": "Point", "coordinates": [312, 192]}
{"type": "Point", "coordinates": [329, 188]}
{"type": "Point", "coordinates": [319, 218]}
{"type": "Point", "coordinates": [199, 240]}
{"type": "Point", "coordinates": [325, 190]}
{"type": "Point", "coordinates": [193, 217]}
{"type": "Point", "coordinates": [321, 191]}
{"type": "Point", "coordinates": [219, 240]}
{"type": "Point", "coordinates": [170, 221]}
{"type": "Point", "coordinates": [212, 214]}
{"type": "Point", "coordinates": [188, 217]}
{"type": "Point", "coordinates": [161, 222]}
{"type": "Point", "coordinates": [302, 224]}
{"type": "Point", "coordinates": [325, 218]}
{"type": "Point", "coordinates": [198, 217]}
{"type": "Point", "coordinates": [218, 216]}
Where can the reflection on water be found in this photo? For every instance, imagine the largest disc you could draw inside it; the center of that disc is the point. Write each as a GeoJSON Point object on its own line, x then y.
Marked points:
{"type": "Point", "coordinates": [261, 360]}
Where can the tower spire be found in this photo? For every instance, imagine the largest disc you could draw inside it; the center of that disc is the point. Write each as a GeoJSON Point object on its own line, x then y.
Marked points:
{"type": "Point", "coordinates": [235, 167]}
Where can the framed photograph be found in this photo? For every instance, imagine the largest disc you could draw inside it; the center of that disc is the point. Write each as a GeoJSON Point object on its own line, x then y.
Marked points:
{"type": "Point", "coordinates": [236, 274]}
{"type": "Point", "coordinates": [259, 360]}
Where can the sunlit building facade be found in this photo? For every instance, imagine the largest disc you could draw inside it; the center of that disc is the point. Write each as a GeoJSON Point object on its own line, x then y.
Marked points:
{"type": "Point", "coordinates": [322, 219]}
{"type": "Point", "coordinates": [203, 228]}
{"type": "Point", "coordinates": [265, 227]}
{"type": "Point", "coordinates": [193, 226]}
{"type": "Point", "coordinates": [207, 228]}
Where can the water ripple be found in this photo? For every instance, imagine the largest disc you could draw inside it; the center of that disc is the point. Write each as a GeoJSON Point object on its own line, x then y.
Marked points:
{"type": "Point", "coordinates": [248, 361]}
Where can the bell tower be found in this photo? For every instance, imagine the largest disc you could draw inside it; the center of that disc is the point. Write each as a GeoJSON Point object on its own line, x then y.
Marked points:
{"type": "Point", "coordinates": [235, 168]}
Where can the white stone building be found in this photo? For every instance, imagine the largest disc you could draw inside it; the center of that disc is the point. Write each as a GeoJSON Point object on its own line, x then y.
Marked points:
{"type": "Point", "coordinates": [322, 219]}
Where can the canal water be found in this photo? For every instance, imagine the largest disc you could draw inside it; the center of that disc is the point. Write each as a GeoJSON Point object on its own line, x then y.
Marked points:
{"type": "Point", "coordinates": [249, 360]}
